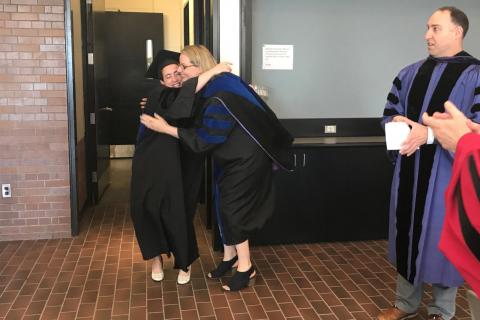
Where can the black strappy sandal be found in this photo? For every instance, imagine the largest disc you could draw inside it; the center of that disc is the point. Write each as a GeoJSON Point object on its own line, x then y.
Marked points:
{"type": "Point", "coordinates": [241, 280]}
{"type": "Point", "coordinates": [222, 268]}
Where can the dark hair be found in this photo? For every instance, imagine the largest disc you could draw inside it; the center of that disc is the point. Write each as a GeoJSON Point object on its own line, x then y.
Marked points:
{"type": "Point", "coordinates": [458, 17]}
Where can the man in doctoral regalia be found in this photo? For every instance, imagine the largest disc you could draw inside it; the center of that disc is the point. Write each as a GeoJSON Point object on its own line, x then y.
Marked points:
{"type": "Point", "coordinates": [423, 168]}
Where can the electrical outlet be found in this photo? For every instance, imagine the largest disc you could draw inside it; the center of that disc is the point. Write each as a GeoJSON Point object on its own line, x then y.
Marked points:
{"type": "Point", "coordinates": [330, 129]}
{"type": "Point", "coordinates": [6, 190]}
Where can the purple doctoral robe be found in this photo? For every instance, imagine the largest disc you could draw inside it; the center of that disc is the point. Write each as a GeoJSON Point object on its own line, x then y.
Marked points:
{"type": "Point", "coordinates": [417, 201]}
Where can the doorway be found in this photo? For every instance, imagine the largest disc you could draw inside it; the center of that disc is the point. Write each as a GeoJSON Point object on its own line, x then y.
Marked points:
{"type": "Point", "coordinates": [115, 57]}
{"type": "Point", "coordinates": [120, 45]}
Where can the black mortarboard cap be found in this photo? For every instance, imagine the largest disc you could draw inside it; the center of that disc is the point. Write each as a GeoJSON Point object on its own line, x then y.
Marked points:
{"type": "Point", "coordinates": [161, 60]}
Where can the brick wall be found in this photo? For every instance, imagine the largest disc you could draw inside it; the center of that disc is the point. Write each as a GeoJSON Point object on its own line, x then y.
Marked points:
{"type": "Point", "coordinates": [33, 120]}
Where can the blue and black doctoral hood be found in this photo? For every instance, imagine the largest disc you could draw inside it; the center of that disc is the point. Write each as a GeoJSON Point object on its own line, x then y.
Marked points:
{"type": "Point", "coordinates": [253, 115]}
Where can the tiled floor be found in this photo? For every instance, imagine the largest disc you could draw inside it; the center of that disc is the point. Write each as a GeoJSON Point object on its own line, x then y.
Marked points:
{"type": "Point", "coordinates": [100, 275]}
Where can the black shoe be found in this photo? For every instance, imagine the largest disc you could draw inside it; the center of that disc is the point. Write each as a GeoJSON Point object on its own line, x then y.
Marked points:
{"type": "Point", "coordinates": [222, 268]}
{"type": "Point", "coordinates": [241, 280]}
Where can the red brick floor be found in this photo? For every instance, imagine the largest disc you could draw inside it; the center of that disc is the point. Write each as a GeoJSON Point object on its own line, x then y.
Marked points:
{"type": "Point", "coordinates": [101, 275]}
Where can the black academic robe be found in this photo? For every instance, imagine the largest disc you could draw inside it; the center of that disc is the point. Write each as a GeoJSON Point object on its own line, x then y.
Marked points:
{"type": "Point", "coordinates": [245, 140]}
{"type": "Point", "coordinates": [166, 178]}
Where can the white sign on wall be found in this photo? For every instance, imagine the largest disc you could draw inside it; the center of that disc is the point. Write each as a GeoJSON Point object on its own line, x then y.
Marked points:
{"type": "Point", "coordinates": [277, 57]}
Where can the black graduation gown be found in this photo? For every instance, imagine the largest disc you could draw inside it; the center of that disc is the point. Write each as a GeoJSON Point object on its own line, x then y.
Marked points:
{"type": "Point", "coordinates": [166, 179]}
{"type": "Point", "coordinates": [244, 140]}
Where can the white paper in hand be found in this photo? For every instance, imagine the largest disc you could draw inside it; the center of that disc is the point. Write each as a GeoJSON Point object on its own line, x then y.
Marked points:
{"type": "Point", "coordinates": [395, 134]}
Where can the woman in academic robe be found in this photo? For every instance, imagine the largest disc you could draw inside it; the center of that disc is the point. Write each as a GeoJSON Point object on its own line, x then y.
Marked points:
{"type": "Point", "coordinates": [245, 140]}
{"type": "Point", "coordinates": [166, 176]}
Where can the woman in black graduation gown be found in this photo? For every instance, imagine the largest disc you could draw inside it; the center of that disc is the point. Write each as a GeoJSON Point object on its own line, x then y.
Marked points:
{"type": "Point", "coordinates": [244, 137]}
{"type": "Point", "coordinates": [165, 175]}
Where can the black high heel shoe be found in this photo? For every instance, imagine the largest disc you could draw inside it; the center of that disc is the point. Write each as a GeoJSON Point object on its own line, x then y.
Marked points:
{"type": "Point", "coordinates": [222, 268]}
{"type": "Point", "coordinates": [241, 280]}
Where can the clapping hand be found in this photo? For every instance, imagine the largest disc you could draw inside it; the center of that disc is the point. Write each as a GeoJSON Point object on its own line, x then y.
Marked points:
{"type": "Point", "coordinates": [450, 126]}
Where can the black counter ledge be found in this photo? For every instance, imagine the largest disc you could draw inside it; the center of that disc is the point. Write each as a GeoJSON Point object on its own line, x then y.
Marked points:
{"type": "Point", "coordinates": [339, 141]}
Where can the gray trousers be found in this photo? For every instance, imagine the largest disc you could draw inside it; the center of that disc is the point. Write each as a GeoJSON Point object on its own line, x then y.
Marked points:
{"type": "Point", "coordinates": [409, 298]}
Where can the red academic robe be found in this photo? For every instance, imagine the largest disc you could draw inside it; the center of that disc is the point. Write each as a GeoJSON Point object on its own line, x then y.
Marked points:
{"type": "Point", "coordinates": [460, 239]}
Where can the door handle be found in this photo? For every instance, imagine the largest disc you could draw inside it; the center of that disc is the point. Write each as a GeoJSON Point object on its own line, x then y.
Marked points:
{"type": "Point", "coordinates": [106, 109]}
{"type": "Point", "coordinates": [294, 160]}
{"type": "Point", "coordinates": [149, 52]}
{"type": "Point", "coordinates": [304, 160]}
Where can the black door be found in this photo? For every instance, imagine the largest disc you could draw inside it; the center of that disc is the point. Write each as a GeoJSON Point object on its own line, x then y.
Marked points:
{"type": "Point", "coordinates": [97, 117]}
{"type": "Point", "coordinates": [347, 190]}
{"type": "Point", "coordinates": [126, 60]}
{"type": "Point", "coordinates": [117, 61]}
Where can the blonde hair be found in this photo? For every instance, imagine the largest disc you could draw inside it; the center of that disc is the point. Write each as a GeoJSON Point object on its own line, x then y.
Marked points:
{"type": "Point", "coordinates": [200, 56]}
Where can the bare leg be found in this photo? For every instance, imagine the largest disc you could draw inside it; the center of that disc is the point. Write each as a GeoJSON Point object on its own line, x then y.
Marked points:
{"type": "Point", "coordinates": [229, 252]}
{"type": "Point", "coordinates": [157, 264]}
{"type": "Point", "coordinates": [157, 268]}
{"type": "Point", "coordinates": [243, 252]}
{"type": "Point", "coordinates": [244, 262]}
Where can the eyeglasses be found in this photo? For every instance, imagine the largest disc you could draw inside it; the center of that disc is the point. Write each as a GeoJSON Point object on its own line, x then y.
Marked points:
{"type": "Point", "coordinates": [185, 67]}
